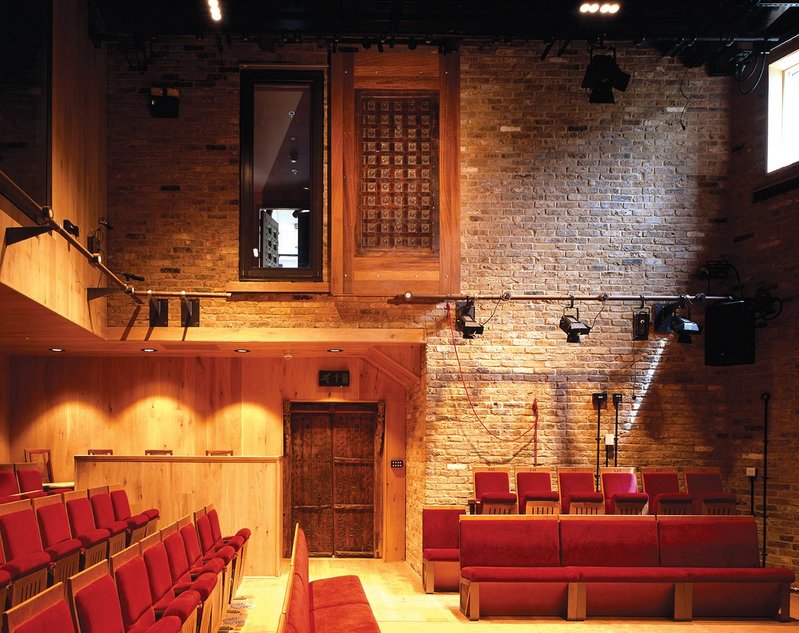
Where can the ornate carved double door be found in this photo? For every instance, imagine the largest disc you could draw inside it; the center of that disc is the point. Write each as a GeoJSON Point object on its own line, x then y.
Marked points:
{"type": "Point", "coordinates": [330, 492]}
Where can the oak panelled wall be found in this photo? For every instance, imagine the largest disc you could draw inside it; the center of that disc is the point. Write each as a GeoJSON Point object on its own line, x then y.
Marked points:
{"type": "Point", "coordinates": [4, 408]}
{"type": "Point", "coordinates": [190, 405]}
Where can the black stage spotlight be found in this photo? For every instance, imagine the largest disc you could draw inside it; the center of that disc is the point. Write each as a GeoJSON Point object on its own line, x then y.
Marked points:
{"type": "Point", "coordinates": [602, 76]}
{"type": "Point", "coordinates": [573, 327]}
{"type": "Point", "coordinates": [676, 317]}
{"type": "Point", "coordinates": [685, 328]}
{"type": "Point", "coordinates": [464, 319]}
{"type": "Point", "coordinates": [72, 229]}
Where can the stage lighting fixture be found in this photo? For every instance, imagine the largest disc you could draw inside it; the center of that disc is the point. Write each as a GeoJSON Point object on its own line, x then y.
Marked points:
{"type": "Point", "coordinates": [602, 76]}
{"type": "Point", "coordinates": [676, 317]}
{"type": "Point", "coordinates": [684, 328]}
{"type": "Point", "coordinates": [573, 327]}
{"type": "Point", "coordinates": [72, 229]}
{"type": "Point", "coordinates": [465, 321]}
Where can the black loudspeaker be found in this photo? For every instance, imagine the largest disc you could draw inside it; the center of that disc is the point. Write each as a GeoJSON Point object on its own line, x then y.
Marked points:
{"type": "Point", "coordinates": [730, 333]}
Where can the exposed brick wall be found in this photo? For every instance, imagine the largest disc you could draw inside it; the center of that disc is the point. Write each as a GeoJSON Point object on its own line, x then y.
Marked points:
{"type": "Point", "coordinates": [558, 195]}
{"type": "Point", "coordinates": [762, 245]}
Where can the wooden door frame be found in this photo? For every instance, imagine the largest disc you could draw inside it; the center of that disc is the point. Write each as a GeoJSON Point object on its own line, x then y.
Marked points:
{"type": "Point", "coordinates": [380, 434]}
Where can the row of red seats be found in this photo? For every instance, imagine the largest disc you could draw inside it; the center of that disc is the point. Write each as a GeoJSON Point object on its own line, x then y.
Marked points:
{"type": "Point", "coordinates": [25, 481]}
{"type": "Point", "coordinates": [49, 538]}
{"type": "Point", "coordinates": [618, 492]}
{"type": "Point", "coordinates": [177, 579]}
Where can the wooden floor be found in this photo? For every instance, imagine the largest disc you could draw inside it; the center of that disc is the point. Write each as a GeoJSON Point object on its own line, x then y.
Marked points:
{"type": "Point", "coordinates": [400, 606]}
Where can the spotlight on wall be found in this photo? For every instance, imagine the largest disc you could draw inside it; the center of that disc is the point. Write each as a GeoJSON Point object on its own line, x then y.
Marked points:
{"type": "Point", "coordinates": [684, 328]}
{"type": "Point", "coordinates": [676, 317]}
{"type": "Point", "coordinates": [72, 229]}
{"type": "Point", "coordinates": [465, 321]}
{"type": "Point", "coordinates": [573, 327]}
{"type": "Point", "coordinates": [602, 76]}
{"type": "Point", "coordinates": [131, 276]}
{"type": "Point", "coordinates": [641, 325]}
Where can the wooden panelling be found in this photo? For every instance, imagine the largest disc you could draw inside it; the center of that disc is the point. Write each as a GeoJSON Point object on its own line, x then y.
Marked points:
{"type": "Point", "coordinates": [245, 492]}
{"type": "Point", "coordinates": [5, 409]}
{"type": "Point", "coordinates": [400, 69]}
{"type": "Point", "coordinates": [449, 174]}
{"type": "Point", "coordinates": [45, 268]}
{"type": "Point", "coordinates": [190, 404]}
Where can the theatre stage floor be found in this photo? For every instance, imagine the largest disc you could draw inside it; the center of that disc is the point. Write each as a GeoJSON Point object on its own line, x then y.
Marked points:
{"type": "Point", "coordinates": [400, 606]}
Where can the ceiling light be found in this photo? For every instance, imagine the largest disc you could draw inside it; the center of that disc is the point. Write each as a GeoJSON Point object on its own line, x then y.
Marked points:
{"type": "Point", "coordinates": [149, 350]}
{"type": "Point", "coordinates": [335, 350]}
{"type": "Point", "coordinates": [573, 327]}
{"type": "Point", "coordinates": [605, 8]}
{"type": "Point", "coordinates": [241, 350]}
{"type": "Point", "coordinates": [56, 349]}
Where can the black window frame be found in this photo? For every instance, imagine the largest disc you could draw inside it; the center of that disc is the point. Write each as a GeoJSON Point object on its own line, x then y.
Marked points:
{"type": "Point", "coordinates": [248, 215]}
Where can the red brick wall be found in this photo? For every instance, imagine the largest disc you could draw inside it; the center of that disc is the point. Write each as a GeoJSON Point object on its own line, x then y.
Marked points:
{"type": "Point", "coordinates": [559, 195]}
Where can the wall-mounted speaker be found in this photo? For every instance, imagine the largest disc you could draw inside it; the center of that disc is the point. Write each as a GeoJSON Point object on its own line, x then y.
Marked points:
{"type": "Point", "coordinates": [730, 333]}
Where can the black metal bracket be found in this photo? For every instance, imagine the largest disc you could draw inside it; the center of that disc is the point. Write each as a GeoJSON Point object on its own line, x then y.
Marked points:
{"type": "Point", "coordinates": [17, 234]}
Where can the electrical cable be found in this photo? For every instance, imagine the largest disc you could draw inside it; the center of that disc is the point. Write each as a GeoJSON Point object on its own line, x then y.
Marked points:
{"type": "Point", "coordinates": [468, 395]}
{"type": "Point", "coordinates": [683, 124]}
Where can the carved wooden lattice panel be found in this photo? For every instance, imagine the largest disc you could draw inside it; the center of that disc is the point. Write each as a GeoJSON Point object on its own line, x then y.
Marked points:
{"type": "Point", "coordinates": [399, 171]}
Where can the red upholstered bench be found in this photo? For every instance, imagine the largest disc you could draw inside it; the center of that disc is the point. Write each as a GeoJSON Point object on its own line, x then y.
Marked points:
{"type": "Point", "coordinates": [510, 565]}
{"type": "Point", "coordinates": [440, 547]}
{"type": "Point", "coordinates": [719, 560]}
{"type": "Point", "coordinates": [328, 605]}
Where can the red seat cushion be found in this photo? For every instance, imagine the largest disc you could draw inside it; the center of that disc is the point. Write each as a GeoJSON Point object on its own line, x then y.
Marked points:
{"type": "Point", "coordinates": [331, 592]}
{"type": "Point", "coordinates": [632, 574]}
{"type": "Point", "coordinates": [134, 593]}
{"type": "Point", "coordinates": [598, 541]}
{"type": "Point", "coordinates": [20, 534]}
{"type": "Point", "coordinates": [167, 624]}
{"type": "Point", "coordinates": [93, 537]}
{"type": "Point", "coordinates": [104, 516]}
{"type": "Point", "coordinates": [81, 518]}
{"type": "Point", "coordinates": [97, 607]}
{"type": "Point", "coordinates": [158, 573]}
{"type": "Point", "coordinates": [738, 574]}
{"type": "Point", "coordinates": [152, 513]}
{"type": "Point", "coordinates": [204, 585]}
{"type": "Point", "coordinates": [440, 528]}
{"type": "Point", "coordinates": [510, 542]}
{"type": "Point", "coordinates": [29, 479]}
{"type": "Point", "coordinates": [353, 618]}
{"type": "Point", "coordinates": [183, 605]}
{"type": "Point", "coordinates": [298, 614]}
{"type": "Point", "coordinates": [53, 524]}
{"type": "Point", "coordinates": [5, 579]}
{"type": "Point", "coordinates": [667, 498]}
{"type": "Point", "coordinates": [244, 533]}
{"type": "Point", "coordinates": [27, 564]}
{"type": "Point", "coordinates": [441, 554]}
{"type": "Point", "coordinates": [64, 549]}
{"type": "Point", "coordinates": [136, 522]}
{"type": "Point", "coordinates": [236, 542]}
{"type": "Point", "coordinates": [213, 566]}
{"type": "Point", "coordinates": [226, 553]}
{"type": "Point", "coordinates": [54, 619]}
{"type": "Point", "coordinates": [707, 541]}
{"type": "Point", "coordinates": [521, 574]}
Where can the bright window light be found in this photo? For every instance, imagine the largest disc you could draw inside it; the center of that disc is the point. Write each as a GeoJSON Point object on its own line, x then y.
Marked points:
{"type": "Point", "coordinates": [783, 112]}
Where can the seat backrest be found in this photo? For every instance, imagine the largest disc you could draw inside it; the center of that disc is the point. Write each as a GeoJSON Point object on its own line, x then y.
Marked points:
{"type": "Point", "coordinates": [608, 541]}
{"type": "Point", "coordinates": [708, 541]}
{"type": "Point", "coordinates": [18, 530]}
{"type": "Point", "coordinates": [573, 481]}
{"type": "Point", "coordinates": [219, 453]}
{"type": "Point", "coordinates": [155, 559]}
{"type": "Point", "coordinates": [100, 451]}
{"type": "Point", "coordinates": [441, 527]}
{"type": "Point", "coordinates": [617, 480]}
{"type": "Point", "coordinates": [94, 600]}
{"type": "Point", "coordinates": [42, 459]}
{"type": "Point", "coordinates": [658, 481]}
{"type": "Point", "coordinates": [121, 504]}
{"type": "Point", "coordinates": [51, 515]}
{"type": "Point", "coordinates": [79, 511]}
{"type": "Point", "coordinates": [176, 556]}
{"type": "Point", "coordinates": [191, 543]}
{"type": "Point", "coordinates": [46, 612]}
{"type": "Point", "coordinates": [533, 480]}
{"type": "Point", "coordinates": [700, 481]}
{"type": "Point", "coordinates": [213, 519]}
{"type": "Point", "coordinates": [490, 480]}
{"type": "Point", "coordinates": [133, 587]}
{"type": "Point", "coordinates": [28, 477]}
{"type": "Point", "coordinates": [509, 541]}
{"type": "Point", "coordinates": [158, 451]}
{"type": "Point", "coordinates": [8, 483]}
{"type": "Point", "coordinates": [103, 509]}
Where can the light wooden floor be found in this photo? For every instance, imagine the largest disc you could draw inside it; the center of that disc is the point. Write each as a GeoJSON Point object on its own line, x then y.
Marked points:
{"type": "Point", "coordinates": [400, 606]}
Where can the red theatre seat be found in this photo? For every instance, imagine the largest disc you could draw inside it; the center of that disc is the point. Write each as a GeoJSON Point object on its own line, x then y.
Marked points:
{"type": "Point", "coordinates": [492, 491]}
{"type": "Point", "coordinates": [441, 547]}
{"type": "Point", "coordinates": [620, 488]}
{"type": "Point", "coordinates": [534, 489]}
{"type": "Point", "coordinates": [81, 523]}
{"type": "Point", "coordinates": [122, 512]}
{"type": "Point", "coordinates": [26, 561]}
{"type": "Point", "coordinates": [663, 487]}
{"type": "Point", "coordinates": [704, 484]}
{"type": "Point", "coordinates": [51, 516]}
{"type": "Point", "coordinates": [46, 612]}
{"type": "Point", "coordinates": [578, 494]}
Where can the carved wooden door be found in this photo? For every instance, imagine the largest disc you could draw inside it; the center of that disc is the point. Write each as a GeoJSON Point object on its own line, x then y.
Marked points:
{"type": "Point", "coordinates": [332, 483]}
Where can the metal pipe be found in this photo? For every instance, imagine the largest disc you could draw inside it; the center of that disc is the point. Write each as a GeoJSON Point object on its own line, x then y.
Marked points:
{"type": "Point", "coordinates": [409, 297]}
{"type": "Point", "coordinates": [765, 397]}
{"type": "Point", "coordinates": [20, 199]}
{"type": "Point", "coordinates": [188, 294]}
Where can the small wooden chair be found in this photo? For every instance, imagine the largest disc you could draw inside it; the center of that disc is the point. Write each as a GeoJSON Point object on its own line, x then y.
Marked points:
{"type": "Point", "coordinates": [577, 492]}
{"type": "Point", "coordinates": [492, 491]}
{"type": "Point", "coordinates": [705, 485]}
{"type": "Point", "coordinates": [219, 453]}
{"type": "Point", "coordinates": [42, 458]}
{"type": "Point", "coordinates": [534, 490]}
{"type": "Point", "coordinates": [663, 487]}
{"type": "Point", "coordinates": [158, 451]}
{"type": "Point", "coordinates": [100, 451]}
{"type": "Point", "coordinates": [620, 489]}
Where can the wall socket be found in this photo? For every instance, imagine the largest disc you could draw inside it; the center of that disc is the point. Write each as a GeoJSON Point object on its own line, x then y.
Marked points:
{"type": "Point", "coordinates": [751, 472]}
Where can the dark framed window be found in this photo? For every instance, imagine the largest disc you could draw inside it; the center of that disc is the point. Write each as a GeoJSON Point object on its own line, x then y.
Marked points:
{"type": "Point", "coordinates": [280, 229]}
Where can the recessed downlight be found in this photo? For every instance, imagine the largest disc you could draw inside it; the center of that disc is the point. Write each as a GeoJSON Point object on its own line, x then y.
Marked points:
{"type": "Point", "coordinates": [241, 350]}
{"type": "Point", "coordinates": [57, 349]}
{"type": "Point", "coordinates": [149, 350]}
{"type": "Point", "coordinates": [335, 350]}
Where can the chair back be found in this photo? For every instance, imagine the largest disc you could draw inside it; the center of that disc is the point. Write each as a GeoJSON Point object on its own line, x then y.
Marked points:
{"type": "Point", "coordinates": [51, 514]}
{"type": "Point", "coordinates": [219, 453]}
{"type": "Point", "coordinates": [658, 481]}
{"type": "Point", "coordinates": [701, 481]}
{"type": "Point", "coordinates": [28, 477]}
{"type": "Point", "coordinates": [100, 451]}
{"type": "Point", "coordinates": [94, 600]}
{"type": "Point", "coordinates": [487, 480]}
{"type": "Point", "coordinates": [8, 483]}
{"type": "Point", "coordinates": [158, 451]}
{"type": "Point", "coordinates": [42, 459]}
{"type": "Point", "coordinates": [46, 611]}
{"type": "Point", "coordinates": [617, 480]}
{"type": "Point", "coordinates": [574, 481]}
{"type": "Point", "coordinates": [18, 530]}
